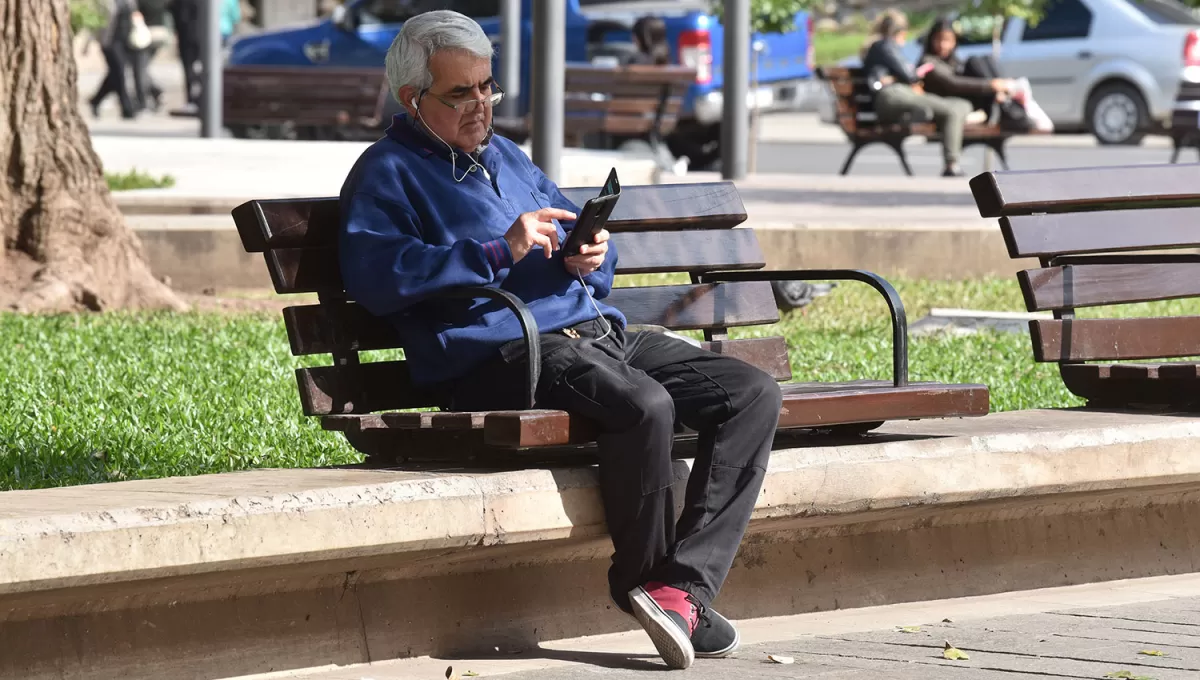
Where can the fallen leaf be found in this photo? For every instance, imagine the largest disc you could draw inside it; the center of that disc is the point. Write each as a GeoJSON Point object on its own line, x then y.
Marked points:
{"type": "Point", "coordinates": [951, 653]}
{"type": "Point", "coordinates": [470, 674]}
{"type": "Point", "coordinates": [773, 658]}
{"type": "Point", "coordinates": [1152, 652]}
{"type": "Point", "coordinates": [909, 629]}
{"type": "Point", "coordinates": [1127, 675]}
{"type": "Point", "coordinates": [947, 621]}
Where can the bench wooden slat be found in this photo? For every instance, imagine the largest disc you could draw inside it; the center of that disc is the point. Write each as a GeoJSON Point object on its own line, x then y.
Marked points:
{"type": "Point", "coordinates": [1162, 385]}
{"type": "Point", "coordinates": [642, 107]}
{"type": "Point", "coordinates": [837, 405]}
{"type": "Point", "coordinates": [1115, 339]}
{"type": "Point", "coordinates": [314, 222]}
{"type": "Point", "coordinates": [578, 76]}
{"type": "Point", "coordinates": [310, 270]}
{"type": "Point", "coordinates": [387, 385]}
{"type": "Point", "coordinates": [684, 307]}
{"type": "Point", "coordinates": [1098, 232]}
{"type": "Point", "coordinates": [999, 194]}
{"type": "Point", "coordinates": [1085, 285]}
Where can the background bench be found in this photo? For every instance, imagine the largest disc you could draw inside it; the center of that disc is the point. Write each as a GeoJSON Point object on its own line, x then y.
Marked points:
{"type": "Point", "coordinates": [1084, 226]}
{"type": "Point", "coordinates": [857, 118]}
{"type": "Point", "coordinates": [671, 228]}
{"type": "Point", "coordinates": [605, 107]}
{"type": "Point", "coordinates": [281, 102]}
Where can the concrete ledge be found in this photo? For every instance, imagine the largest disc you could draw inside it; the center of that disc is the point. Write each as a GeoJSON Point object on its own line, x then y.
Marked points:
{"type": "Point", "coordinates": [266, 570]}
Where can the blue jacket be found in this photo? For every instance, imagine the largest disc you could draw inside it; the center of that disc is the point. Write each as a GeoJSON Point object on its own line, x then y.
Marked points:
{"type": "Point", "coordinates": [409, 231]}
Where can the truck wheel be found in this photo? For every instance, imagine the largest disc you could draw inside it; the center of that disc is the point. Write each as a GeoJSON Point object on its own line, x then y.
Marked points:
{"type": "Point", "coordinates": [1117, 114]}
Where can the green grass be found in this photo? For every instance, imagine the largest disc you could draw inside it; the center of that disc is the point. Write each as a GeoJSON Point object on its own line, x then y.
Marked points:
{"type": "Point", "coordinates": [136, 179]}
{"type": "Point", "coordinates": [94, 398]}
{"type": "Point", "coordinates": [829, 48]}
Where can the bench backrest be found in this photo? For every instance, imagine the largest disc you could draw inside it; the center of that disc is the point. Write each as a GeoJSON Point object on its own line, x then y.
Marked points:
{"type": "Point", "coordinates": [304, 96]}
{"type": "Point", "coordinates": [670, 228]}
{"type": "Point", "coordinates": [1094, 231]}
{"type": "Point", "coordinates": [855, 101]}
{"type": "Point", "coordinates": [628, 100]}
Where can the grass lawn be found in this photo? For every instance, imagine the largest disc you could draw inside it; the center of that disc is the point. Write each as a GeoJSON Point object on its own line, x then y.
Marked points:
{"type": "Point", "coordinates": [105, 397]}
{"type": "Point", "coordinates": [829, 48]}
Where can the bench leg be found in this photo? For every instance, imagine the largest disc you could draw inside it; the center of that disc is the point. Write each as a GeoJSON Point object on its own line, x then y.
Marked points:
{"type": "Point", "coordinates": [998, 147]}
{"type": "Point", "coordinates": [850, 159]}
{"type": "Point", "coordinates": [898, 147]}
{"type": "Point", "coordinates": [1177, 150]}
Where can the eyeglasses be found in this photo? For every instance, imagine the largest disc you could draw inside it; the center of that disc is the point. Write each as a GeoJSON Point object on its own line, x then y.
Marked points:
{"type": "Point", "coordinates": [469, 105]}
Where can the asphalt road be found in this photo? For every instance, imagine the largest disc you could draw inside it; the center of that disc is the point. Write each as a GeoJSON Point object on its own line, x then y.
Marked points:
{"type": "Point", "coordinates": [827, 158]}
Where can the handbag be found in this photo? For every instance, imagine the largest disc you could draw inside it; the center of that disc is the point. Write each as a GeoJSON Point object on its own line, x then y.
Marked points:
{"type": "Point", "coordinates": [139, 33]}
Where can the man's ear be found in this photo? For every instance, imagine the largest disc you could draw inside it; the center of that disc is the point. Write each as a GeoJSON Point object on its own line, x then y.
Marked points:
{"type": "Point", "coordinates": [406, 95]}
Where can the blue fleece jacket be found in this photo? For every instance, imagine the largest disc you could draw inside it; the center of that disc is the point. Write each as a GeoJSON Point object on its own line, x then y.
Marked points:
{"type": "Point", "coordinates": [409, 231]}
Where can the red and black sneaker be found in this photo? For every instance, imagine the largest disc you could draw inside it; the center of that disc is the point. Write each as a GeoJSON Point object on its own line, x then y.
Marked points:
{"type": "Point", "coordinates": [668, 615]}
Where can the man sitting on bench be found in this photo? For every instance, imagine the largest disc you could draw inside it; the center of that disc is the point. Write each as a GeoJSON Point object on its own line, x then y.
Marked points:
{"type": "Point", "coordinates": [441, 203]}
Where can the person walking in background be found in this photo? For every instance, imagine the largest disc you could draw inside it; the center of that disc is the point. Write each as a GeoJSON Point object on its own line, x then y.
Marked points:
{"type": "Point", "coordinates": [650, 36]}
{"type": "Point", "coordinates": [114, 42]}
{"type": "Point", "coordinates": [899, 92]}
{"type": "Point", "coordinates": [231, 15]}
{"type": "Point", "coordinates": [147, 93]}
{"type": "Point", "coordinates": [186, 16]}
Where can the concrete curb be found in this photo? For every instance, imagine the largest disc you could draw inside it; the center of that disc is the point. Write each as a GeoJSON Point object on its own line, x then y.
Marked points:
{"type": "Point", "coordinates": [269, 570]}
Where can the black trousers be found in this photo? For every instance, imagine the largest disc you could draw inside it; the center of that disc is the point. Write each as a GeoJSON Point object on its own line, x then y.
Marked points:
{"type": "Point", "coordinates": [637, 387]}
{"type": "Point", "coordinates": [146, 91]}
{"type": "Point", "coordinates": [117, 59]}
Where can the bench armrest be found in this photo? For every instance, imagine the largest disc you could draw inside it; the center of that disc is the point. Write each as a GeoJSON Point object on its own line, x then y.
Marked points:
{"type": "Point", "coordinates": [895, 305]}
{"type": "Point", "coordinates": [529, 328]}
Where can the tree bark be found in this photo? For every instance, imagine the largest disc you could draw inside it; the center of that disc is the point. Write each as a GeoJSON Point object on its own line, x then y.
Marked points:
{"type": "Point", "coordinates": [66, 245]}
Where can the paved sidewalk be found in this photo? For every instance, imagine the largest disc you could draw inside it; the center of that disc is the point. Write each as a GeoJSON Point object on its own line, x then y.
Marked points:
{"type": "Point", "coordinates": [1085, 631]}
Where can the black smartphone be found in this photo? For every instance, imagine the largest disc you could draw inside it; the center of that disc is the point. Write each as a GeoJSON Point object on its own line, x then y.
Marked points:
{"type": "Point", "coordinates": [594, 215]}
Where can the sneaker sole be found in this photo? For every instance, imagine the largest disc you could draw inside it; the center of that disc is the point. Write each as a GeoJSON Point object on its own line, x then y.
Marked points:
{"type": "Point", "coordinates": [722, 653]}
{"type": "Point", "coordinates": [671, 642]}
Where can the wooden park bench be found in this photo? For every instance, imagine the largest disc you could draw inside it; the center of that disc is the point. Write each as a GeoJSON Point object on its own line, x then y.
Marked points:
{"type": "Point", "coordinates": [857, 118]}
{"type": "Point", "coordinates": [1094, 232]}
{"type": "Point", "coordinates": [604, 106]}
{"type": "Point", "coordinates": [304, 103]}
{"type": "Point", "coordinates": [669, 228]}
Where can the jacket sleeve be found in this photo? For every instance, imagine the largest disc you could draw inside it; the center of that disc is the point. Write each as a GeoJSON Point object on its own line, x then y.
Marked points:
{"type": "Point", "coordinates": [943, 80]}
{"type": "Point", "coordinates": [891, 58]}
{"type": "Point", "coordinates": [386, 267]}
{"type": "Point", "coordinates": [600, 280]}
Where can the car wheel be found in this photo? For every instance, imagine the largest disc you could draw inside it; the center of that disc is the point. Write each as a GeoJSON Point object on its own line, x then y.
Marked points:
{"type": "Point", "coordinates": [1117, 114]}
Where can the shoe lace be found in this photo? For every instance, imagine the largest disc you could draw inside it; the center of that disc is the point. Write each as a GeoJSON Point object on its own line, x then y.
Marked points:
{"type": "Point", "coordinates": [701, 610]}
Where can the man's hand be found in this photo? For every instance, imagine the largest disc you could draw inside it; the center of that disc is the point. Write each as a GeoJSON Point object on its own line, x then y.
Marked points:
{"type": "Point", "coordinates": [535, 229]}
{"type": "Point", "coordinates": [590, 257]}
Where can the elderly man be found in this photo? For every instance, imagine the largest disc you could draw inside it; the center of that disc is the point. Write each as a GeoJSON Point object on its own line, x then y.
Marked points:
{"type": "Point", "coordinates": [440, 202]}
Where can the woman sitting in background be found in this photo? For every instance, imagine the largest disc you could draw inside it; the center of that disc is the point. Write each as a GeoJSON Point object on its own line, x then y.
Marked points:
{"type": "Point", "coordinates": [899, 93]}
{"type": "Point", "coordinates": [977, 79]}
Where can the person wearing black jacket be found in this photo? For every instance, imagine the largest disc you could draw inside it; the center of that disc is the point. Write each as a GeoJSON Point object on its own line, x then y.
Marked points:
{"type": "Point", "coordinates": [977, 79]}
{"type": "Point", "coordinates": [650, 35]}
{"type": "Point", "coordinates": [114, 42]}
{"type": "Point", "coordinates": [899, 93]}
{"type": "Point", "coordinates": [186, 16]}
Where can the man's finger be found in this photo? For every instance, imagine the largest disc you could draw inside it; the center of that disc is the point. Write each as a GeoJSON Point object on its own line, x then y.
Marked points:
{"type": "Point", "coordinates": [602, 236]}
{"type": "Point", "coordinates": [547, 214]}
{"type": "Point", "coordinates": [544, 241]}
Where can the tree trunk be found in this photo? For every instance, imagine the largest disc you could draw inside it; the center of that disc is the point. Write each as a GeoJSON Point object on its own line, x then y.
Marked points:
{"type": "Point", "coordinates": [66, 245]}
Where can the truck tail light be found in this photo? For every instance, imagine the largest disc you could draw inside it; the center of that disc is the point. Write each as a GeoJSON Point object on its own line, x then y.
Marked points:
{"type": "Point", "coordinates": [695, 51]}
{"type": "Point", "coordinates": [1191, 49]}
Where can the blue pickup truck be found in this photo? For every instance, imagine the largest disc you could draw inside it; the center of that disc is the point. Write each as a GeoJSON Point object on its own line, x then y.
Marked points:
{"type": "Point", "coordinates": [359, 32]}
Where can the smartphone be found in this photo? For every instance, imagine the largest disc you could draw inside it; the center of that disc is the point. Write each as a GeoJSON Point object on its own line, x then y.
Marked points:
{"type": "Point", "coordinates": [594, 216]}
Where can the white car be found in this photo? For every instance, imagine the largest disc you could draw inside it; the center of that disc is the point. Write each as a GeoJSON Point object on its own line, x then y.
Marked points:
{"type": "Point", "coordinates": [1111, 67]}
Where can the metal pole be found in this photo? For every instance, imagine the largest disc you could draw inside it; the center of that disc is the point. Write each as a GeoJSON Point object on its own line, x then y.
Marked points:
{"type": "Point", "coordinates": [510, 57]}
{"type": "Point", "coordinates": [752, 151]}
{"type": "Point", "coordinates": [735, 124]}
{"type": "Point", "coordinates": [211, 96]}
{"type": "Point", "coordinates": [549, 80]}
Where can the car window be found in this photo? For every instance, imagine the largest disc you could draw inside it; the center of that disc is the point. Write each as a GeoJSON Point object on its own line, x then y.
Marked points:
{"type": "Point", "coordinates": [374, 12]}
{"type": "Point", "coordinates": [1165, 12]}
{"type": "Point", "coordinates": [1064, 19]}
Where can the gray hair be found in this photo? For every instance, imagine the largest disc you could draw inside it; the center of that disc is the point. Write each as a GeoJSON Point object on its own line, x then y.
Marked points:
{"type": "Point", "coordinates": [421, 36]}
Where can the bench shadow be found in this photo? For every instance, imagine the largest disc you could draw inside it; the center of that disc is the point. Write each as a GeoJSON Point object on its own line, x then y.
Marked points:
{"type": "Point", "coordinates": [610, 660]}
